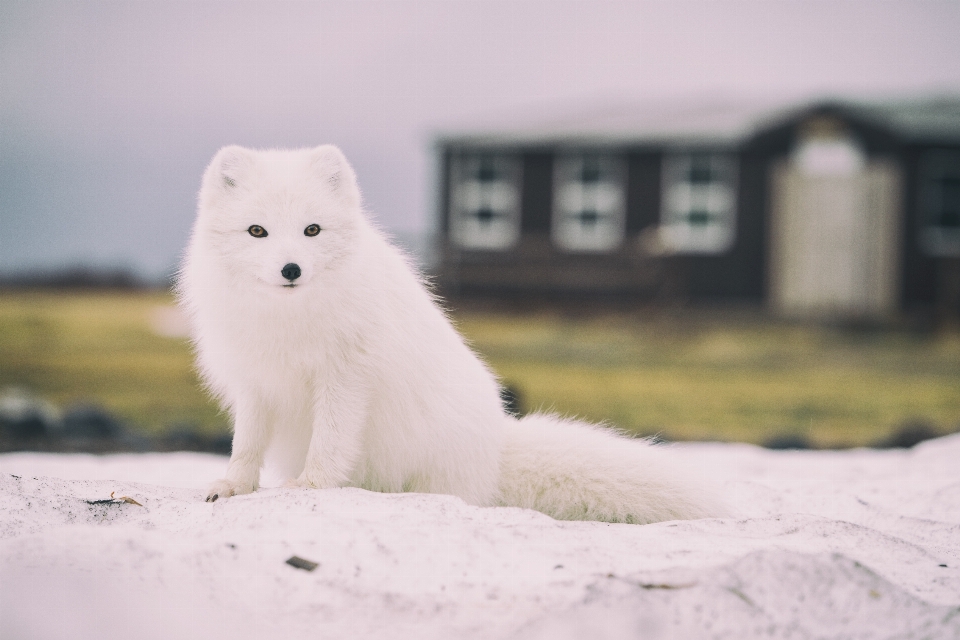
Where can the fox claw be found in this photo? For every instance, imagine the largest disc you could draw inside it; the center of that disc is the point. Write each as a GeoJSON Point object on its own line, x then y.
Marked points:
{"type": "Point", "coordinates": [226, 488]}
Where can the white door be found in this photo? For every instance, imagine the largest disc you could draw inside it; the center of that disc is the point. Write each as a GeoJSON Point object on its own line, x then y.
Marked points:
{"type": "Point", "coordinates": [834, 233]}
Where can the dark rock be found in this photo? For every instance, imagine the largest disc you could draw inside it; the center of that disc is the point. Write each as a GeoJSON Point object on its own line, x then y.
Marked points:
{"type": "Point", "coordinates": [90, 421]}
{"type": "Point", "coordinates": [181, 437]}
{"type": "Point", "coordinates": [29, 427]}
{"type": "Point", "coordinates": [909, 434]}
{"type": "Point", "coordinates": [187, 437]}
{"type": "Point", "coordinates": [135, 442]}
{"type": "Point", "coordinates": [788, 441]}
{"type": "Point", "coordinates": [222, 444]}
{"type": "Point", "coordinates": [24, 416]}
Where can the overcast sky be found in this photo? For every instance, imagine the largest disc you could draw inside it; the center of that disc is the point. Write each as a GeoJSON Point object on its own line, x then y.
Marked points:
{"type": "Point", "coordinates": [109, 111]}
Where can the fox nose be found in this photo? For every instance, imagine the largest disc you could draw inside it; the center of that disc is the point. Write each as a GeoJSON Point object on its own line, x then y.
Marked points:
{"type": "Point", "coordinates": [290, 271]}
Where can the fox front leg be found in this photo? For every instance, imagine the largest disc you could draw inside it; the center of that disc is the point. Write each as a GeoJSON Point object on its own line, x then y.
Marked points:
{"type": "Point", "coordinates": [339, 415]}
{"type": "Point", "coordinates": [251, 435]}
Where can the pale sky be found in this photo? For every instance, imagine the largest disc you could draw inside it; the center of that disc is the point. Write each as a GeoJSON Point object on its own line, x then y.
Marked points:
{"type": "Point", "coordinates": [110, 110]}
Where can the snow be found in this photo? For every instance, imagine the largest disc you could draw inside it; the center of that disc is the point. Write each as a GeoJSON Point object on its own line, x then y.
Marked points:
{"type": "Point", "coordinates": [847, 544]}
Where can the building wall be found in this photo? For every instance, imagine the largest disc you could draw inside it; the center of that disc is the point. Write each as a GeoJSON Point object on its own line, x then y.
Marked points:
{"type": "Point", "coordinates": [536, 200]}
{"type": "Point", "coordinates": [738, 274]}
{"type": "Point", "coordinates": [931, 283]}
{"type": "Point", "coordinates": [742, 273]}
{"type": "Point", "coordinates": [536, 265]}
{"type": "Point", "coordinates": [643, 189]}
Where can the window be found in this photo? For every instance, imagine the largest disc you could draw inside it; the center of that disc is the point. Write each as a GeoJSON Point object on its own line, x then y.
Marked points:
{"type": "Point", "coordinates": [588, 202]}
{"type": "Point", "coordinates": [485, 201]}
{"type": "Point", "coordinates": [699, 203]}
{"type": "Point", "coordinates": [940, 203]}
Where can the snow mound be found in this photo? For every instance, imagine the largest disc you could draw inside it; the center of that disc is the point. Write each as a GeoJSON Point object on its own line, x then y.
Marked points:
{"type": "Point", "coordinates": [855, 544]}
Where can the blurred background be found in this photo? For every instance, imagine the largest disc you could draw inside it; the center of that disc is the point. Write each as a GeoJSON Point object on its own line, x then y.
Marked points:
{"type": "Point", "coordinates": [631, 207]}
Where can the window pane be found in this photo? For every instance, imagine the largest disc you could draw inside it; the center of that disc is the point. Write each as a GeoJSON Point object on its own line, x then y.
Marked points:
{"type": "Point", "coordinates": [940, 203]}
{"type": "Point", "coordinates": [699, 203]}
{"type": "Point", "coordinates": [588, 202]}
{"type": "Point", "coordinates": [485, 201]}
{"type": "Point", "coordinates": [948, 213]}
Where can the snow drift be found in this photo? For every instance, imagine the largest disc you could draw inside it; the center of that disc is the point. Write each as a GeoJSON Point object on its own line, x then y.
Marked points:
{"type": "Point", "coordinates": [855, 544]}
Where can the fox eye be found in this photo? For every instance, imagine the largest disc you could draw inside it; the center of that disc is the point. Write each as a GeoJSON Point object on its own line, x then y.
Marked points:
{"type": "Point", "coordinates": [257, 231]}
{"type": "Point", "coordinates": [312, 230]}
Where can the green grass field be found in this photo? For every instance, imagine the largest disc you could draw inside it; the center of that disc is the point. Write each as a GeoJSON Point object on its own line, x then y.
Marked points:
{"type": "Point", "coordinates": [680, 378]}
{"type": "Point", "coordinates": [691, 379]}
{"type": "Point", "coordinates": [99, 347]}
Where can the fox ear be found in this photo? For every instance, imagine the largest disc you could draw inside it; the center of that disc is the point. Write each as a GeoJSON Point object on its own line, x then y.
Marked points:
{"type": "Point", "coordinates": [228, 167]}
{"type": "Point", "coordinates": [335, 171]}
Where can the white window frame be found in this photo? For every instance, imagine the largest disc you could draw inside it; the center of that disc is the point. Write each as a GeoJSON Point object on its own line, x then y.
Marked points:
{"type": "Point", "coordinates": [485, 200]}
{"type": "Point", "coordinates": [589, 202]}
{"type": "Point", "coordinates": [698, 216]}
{"type": "Point", "coordinates": [935, 238]}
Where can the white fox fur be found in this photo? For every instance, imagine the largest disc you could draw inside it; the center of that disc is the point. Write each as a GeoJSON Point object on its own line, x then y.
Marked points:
{"type": "Point", "coordinates": [356, 377]}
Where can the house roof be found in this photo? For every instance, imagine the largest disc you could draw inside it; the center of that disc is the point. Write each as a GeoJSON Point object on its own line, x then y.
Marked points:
{"type": "Point", "coordinates": [934, 118]}
{"type": "Point", "coordinates": [723, 123]}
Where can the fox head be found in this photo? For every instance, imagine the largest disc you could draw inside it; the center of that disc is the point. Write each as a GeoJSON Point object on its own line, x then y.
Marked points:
{"type": "Point", "coordinates": [279, 218]}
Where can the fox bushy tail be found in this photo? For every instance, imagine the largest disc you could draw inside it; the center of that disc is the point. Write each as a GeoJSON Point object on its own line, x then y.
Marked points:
{"type": "Point", "coordinates": [571, 470]}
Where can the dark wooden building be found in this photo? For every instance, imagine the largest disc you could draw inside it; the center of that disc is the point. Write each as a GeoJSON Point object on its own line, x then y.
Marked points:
{"type": "Point", "coordinates": [831, 210]}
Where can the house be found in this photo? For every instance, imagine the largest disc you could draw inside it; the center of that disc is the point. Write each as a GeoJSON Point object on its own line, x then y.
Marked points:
{"type": "Point", "coordinates": [836, 210]}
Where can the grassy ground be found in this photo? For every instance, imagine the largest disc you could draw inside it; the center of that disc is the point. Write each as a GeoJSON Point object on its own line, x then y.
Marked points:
{"type": "Point", "coordinates": [99, 347]}
{"type": "Point", "coordinates": [695, 379]}
{"type": "Point", "coordinates": [683, 379]}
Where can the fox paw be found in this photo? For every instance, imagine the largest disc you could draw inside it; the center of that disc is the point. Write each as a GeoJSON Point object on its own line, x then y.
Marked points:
{"type": "Point", "coordinates": [295, 483]}
{"type": "Point", "coordinates": [313, 481]}
{"type": "Point", "coordinates": [226, 488]}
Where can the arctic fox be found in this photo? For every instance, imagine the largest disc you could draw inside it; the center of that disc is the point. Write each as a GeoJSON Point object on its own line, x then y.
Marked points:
{"type": "Point", "coordinates": [336, 362]}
